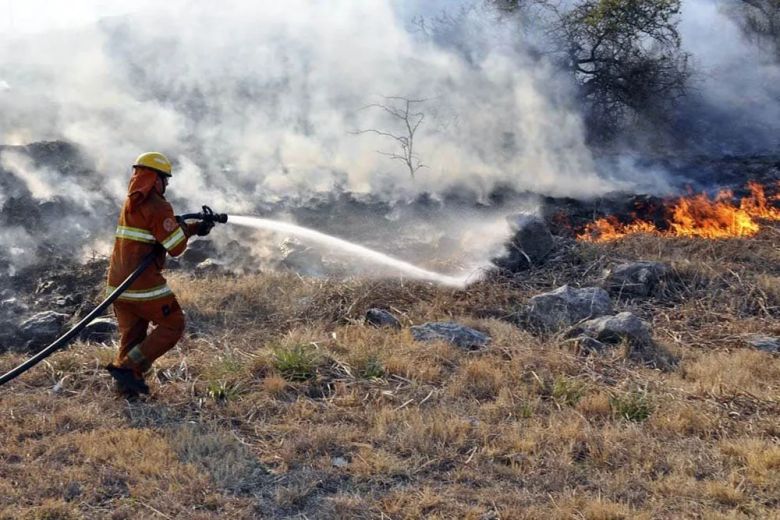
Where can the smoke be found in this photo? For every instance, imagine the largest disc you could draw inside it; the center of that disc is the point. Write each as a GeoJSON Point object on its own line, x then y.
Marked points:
{"type": "Point", "coordinates": [47, 184]}
{"type": "Point", "coordinates": [258, 103]}
{"type": "Point", "coordinates": [266, 104]}
{"type": "Point", "coordinates": [738, 86]}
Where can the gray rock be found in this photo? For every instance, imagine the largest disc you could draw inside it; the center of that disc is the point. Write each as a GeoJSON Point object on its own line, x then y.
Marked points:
{"type": "Point", "coordinates": [459, 335]}
{"type": "Point", "coordinates": [209, 266]}
{"type": "Point", "coordinates": [585, 345]}
{"type": "Point", "coordinates": [197, 251]}
{"type": "Point", "coordinates": [42, 328]}
{"type": "Point", "coordinates": [339, 462]}
{"type": "Point", "coordinates": [13, 307]}
{"type": "Point", "coordinates": [382, 318]}
{"type": "Point", "coordinates": [530, 245]}
{"type": "Point", "coordinates": [100, 330]}
{"type": "Point", "coordinates": [45, 287]}
{"type": "Point", "coordinates": [613, 329]}
{"type": "Point", "coordinates": [635, 278]}
{"type": "Point", "coordinates": [8, 338]}
{"type": "Point", "coordinates": [769, 344]}
{"type": "Point", "coordinates": [66, 301]}
{"type": "Point", "coordinates": [566, 306]}
{"type": "Point", "coordinates": [301, 259]}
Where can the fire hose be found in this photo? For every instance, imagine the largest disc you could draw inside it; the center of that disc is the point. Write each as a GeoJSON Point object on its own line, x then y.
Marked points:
{"type": "Point", "coordinates": [207, 215]}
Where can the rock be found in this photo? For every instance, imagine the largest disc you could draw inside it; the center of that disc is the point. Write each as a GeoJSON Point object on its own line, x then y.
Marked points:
{"type": "Point", "coordinates": [301, 259]}
{"type": "Point", "coordinates": [238, 257]}
{"type": "Point", "coordinates": [100, 330]}
{"type": "Point", "coordinates": [530, 245]}
{"type": "Point", "coordinates": [197, 251]}
{"type": "Point", "coordinates": [382, 318]}
{"type": "Point", "coordinates": [13, 307]}
{"type": "Point", "coordinates": [636, 278]}
{"type": "Point", "coordinates": [8, 338]}
{"type": "Point", "coordinates": [613, 329]}
{"type": "Point", "coordinates": [458, 335]}
{"type": "Point", "coordinates": [42, 328]}
{"type": "Point", "coordinates": [769, 344]}
{"type": "Point", "coordinates": [209, 266]}
{"type": "Point", "coordinates": [339, 462]}
{"type": "Point", "coordinates": [45, 287]}
{"type": "Point", "coordinates": [66, 301]}
{"type": "Point", "coordinates": [566, 306]}
{"type": "Point", "coordinates": [586, 345]}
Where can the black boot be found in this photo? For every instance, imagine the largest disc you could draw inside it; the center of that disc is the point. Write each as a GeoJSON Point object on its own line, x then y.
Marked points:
{"type": "Point", "coordinates": [127, 382]}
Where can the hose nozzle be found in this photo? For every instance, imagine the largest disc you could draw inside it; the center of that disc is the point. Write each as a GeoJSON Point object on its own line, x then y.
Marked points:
{"type": "Point", "coordinates": [209, 215]}
{"type": "Point", "coordinates": [206, 215]}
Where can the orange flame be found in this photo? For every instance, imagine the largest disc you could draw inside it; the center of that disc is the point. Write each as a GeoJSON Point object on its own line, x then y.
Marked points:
{"type": "Point", "coordinates": [696, 216]}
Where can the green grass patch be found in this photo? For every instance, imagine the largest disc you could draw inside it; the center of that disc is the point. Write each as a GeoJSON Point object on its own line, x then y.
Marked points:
{"type": "Point", "coordinates": [227, 366]}
{"type": "Point", "coordinates": [633, 406]}
{"type": "Point", "coordinates": [223, 390]}
{"type": "Point", "coordinates": [371, 368]}
{"type": "Point", "coordinates": [567, 391]}
{"type": "Point", "coordinates": [297, 362]}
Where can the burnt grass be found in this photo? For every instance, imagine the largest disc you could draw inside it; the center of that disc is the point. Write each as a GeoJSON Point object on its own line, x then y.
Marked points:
{"type": "Point", "coordinates": [281, 403]}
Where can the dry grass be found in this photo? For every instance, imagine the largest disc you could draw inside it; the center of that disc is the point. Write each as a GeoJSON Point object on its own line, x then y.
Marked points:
{"type": "Point", "coordinates": [282, 404]}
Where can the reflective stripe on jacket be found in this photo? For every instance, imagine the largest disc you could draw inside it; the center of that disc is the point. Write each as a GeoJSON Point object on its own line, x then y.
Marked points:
{"type": "Point", "coordinates": [143, 223]}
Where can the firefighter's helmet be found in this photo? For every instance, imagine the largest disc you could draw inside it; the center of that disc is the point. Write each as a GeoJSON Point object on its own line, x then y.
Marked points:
{"type": "Point", "coordinates": [155, 161]}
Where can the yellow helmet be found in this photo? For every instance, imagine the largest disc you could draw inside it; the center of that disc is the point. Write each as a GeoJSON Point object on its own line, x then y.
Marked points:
{"type": "Point", "coordinates": [155, 161]}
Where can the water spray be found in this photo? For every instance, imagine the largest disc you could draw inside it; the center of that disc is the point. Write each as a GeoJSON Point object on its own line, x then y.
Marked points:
{"type": "Point", "coordinates": [410, 270]}
{"type": "Point", "coordinates": [207, 215]}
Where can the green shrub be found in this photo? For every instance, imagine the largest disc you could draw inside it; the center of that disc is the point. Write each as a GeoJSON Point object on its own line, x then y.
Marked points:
{"type": "Point", "coordinates": [296, 363]}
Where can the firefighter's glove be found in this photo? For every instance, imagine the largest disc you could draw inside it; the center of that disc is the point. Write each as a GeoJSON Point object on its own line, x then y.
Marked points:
{"type": "Point", "coordinates": [204, 228]}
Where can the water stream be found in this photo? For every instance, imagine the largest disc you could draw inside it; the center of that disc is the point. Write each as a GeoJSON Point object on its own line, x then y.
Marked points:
{"type": "Point", "coordinates": [400, 266]}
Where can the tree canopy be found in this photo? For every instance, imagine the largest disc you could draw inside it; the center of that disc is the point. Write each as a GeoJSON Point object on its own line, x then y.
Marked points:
{"type": "Point", "coordinates": [625, 56]}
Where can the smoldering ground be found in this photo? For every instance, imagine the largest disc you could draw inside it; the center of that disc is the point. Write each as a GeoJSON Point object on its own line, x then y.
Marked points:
{"type": "Point", "coordinates": [265, 110]}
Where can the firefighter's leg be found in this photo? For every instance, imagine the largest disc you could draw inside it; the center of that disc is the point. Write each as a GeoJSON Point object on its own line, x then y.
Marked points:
{"type": "Point", "coordinates": [132, 328]}
{"type": "Point", "coordinates": [168, 318]}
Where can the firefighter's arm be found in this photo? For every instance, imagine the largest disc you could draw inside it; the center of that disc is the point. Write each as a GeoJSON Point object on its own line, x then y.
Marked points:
{"type": "Point", "coordinates": [168, 232]}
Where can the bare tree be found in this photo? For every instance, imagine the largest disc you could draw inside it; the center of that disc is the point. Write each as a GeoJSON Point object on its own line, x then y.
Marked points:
{"type": "Point", "coordinates": [401, 109]}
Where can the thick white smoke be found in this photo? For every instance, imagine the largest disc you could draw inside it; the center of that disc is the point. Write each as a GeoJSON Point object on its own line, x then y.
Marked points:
{"type": "Point", "coordinates": [259, 102]}
{"type": "Point", "coordinates": [739, 84]}
{"type": "Point", "coordinates": [262, 100]}
{"type": "Point", "coordinates": [46, 184]}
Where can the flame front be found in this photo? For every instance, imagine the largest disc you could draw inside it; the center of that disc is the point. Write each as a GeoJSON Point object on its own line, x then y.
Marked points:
{"type": "Point", "coordinates": [696, 216]}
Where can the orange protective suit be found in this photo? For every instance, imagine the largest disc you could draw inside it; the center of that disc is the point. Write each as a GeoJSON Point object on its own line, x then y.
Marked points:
{"type": "Point", "coordinates": [146, 219]}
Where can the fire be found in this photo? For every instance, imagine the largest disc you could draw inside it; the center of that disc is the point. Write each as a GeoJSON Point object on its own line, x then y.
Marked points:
{"type": "Point", "coordinates": [696, 216]}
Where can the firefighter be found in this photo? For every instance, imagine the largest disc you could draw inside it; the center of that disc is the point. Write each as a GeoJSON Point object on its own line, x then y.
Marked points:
{"type": "Point", "coordinates": [146, 224]}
